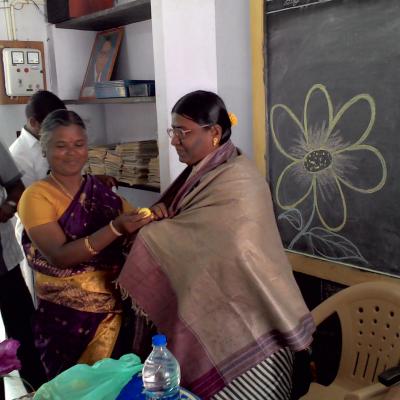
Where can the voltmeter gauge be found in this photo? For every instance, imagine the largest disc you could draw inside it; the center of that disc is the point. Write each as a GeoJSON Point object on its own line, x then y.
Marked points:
{"type": "Point", "coordinates": [17, 57]}
{"type": "Point", "coordinates": [33, 57]}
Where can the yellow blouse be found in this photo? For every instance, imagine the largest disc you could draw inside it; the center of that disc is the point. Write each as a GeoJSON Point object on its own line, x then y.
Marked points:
{"type": "Point", "coordinates": [42, 203]}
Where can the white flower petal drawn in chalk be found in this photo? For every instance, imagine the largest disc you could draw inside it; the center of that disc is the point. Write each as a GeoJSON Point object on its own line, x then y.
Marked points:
{"type": "Point", "coordinates": [322, 162]}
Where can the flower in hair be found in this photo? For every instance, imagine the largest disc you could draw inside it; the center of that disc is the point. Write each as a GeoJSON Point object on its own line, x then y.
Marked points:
{"type": "Point", "coordinates": [233, 118]}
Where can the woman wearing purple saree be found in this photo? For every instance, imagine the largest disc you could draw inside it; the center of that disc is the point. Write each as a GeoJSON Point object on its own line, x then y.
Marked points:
{"type": "Point", "coordinates": [213, 276]}
{"type": "Point", "coordinates": [74, 239]}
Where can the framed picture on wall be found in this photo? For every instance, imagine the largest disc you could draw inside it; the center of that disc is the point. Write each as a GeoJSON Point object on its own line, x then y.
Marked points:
{"type": "Point", "coordinates": [102, 60]}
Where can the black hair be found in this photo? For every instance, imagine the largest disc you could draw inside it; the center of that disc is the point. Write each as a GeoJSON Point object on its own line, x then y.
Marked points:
{"type": "Point", "coordinates": [205, 108]}
{"type": "Point", "coordinates": [56, 119]}
{"type": "Point", "coordinates": [41, 104]}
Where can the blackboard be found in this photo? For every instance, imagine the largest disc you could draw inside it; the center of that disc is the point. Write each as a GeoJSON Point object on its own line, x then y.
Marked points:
{"type": "Point", "coordinates": [333, 112]}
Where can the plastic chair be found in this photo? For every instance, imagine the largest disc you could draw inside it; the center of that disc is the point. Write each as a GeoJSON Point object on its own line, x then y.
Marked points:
{"type": "Point", "coordinates": [369, 315]}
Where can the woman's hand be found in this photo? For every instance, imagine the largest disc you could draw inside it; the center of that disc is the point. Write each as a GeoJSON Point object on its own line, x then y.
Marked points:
{"type": "Point", "coordinates": [51, 241]}
{"type": "Point", "coordinates": [129, 223]}
{"type": "Point", "coordinates": [159, 211]}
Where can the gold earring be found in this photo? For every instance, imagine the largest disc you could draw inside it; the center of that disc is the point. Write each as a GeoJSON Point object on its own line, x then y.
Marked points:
{"type": "Point", "coordinates": [215, 142]}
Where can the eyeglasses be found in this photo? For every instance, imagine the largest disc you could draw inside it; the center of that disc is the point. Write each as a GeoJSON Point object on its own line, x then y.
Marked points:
{"type": "Point", "coordinates": [181, 133]}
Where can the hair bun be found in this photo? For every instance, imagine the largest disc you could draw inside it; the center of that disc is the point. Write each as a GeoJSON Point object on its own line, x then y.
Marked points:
{"type": "Point", "coordinates": [233, 118]}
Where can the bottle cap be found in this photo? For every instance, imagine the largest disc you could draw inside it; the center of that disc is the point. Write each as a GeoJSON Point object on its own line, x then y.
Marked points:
{"type": "Point", "coordinates": [159, 340]}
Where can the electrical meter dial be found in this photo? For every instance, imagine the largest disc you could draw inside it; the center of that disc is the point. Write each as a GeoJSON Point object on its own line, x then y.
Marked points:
{"type": "Point", "coordinates": [33, 57]}
{"type": "Point", "coordinates": [17, 57]}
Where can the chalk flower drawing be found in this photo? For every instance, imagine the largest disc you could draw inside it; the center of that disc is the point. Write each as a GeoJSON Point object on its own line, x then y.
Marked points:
{"type": "Point", "coordinates": [322, 159]}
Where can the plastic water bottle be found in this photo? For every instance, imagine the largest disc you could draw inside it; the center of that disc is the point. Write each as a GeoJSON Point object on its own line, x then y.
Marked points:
{"type": "Point", "coordinates": [161, 372]}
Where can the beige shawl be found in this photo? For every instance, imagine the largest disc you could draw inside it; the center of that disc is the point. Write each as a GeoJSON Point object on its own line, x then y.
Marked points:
{"type": "Point", "coordinates": [215, 279]}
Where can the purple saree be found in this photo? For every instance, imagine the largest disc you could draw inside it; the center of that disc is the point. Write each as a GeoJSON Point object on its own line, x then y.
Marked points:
{"type": "Point", "coordinates": [78, 305]}
{"type": "Point", "coordinates": [214, 277]}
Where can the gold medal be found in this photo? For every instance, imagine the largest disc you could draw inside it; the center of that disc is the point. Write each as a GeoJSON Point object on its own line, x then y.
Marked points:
{"type": "Point", "coordinates": [146, 212]}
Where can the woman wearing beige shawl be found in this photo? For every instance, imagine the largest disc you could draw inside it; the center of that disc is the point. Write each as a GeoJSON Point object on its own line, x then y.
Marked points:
{"type": "Point", "coordinates": [213, 276]}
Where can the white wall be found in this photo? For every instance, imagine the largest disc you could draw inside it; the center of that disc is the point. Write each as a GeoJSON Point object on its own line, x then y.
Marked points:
{"type": "Point", "coordinates": [3, 26]}
{"type": "Point", "coordinates": [29, 22]}
{"type": "Point", "coordinates": [11, 120]}
{"type": "Point", "coordinates": [234, 66]}
{"type": "Point", "coordinates": [185, 60]}
{"type": "Point", "coordinates": [65, 68]}
{"type": "Point", "coordinates": [30, 25]}
{"type": "Point", "coordinates": [136, 60]}
{"type": "Point", "coordinates": [202, 44]}
{"type": "Point", "coordinates": [130, 122]}
{"type": "Point", "coordinates": [69, 50]}
{"type": "Point", "coordinates": [196, 43]}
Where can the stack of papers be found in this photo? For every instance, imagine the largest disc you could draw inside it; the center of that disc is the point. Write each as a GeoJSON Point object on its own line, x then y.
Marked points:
{"type": "Point", "coordinates": [113, 164]}
{"type": "Point", "coordinates": [154, 172]}
{"type": "Point", "coordinates": [136, 157]}
{"type": "Point", "coordinates": [133, 163]}
{"type": "Point", "coordinates": [96, 160]}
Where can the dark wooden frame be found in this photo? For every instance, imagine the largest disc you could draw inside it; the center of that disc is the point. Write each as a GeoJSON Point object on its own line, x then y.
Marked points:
{"type": "Point", "coordinates": [118, 32]}
{"type": "Point", "coordinates": [302, 263]}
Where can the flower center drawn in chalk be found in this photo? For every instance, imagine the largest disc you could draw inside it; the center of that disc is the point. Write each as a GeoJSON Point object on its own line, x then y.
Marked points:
{"type": "Point", "coordinates": [317, 160]}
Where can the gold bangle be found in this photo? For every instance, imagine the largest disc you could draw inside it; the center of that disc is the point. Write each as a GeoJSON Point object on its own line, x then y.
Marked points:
{"type": "Point", "coordinates": [114, 230]}
{"type": "Point", "coordinates": [89, 247]}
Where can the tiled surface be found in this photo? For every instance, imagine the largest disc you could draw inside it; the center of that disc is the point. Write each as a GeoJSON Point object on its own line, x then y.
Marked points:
{"type": "Point", "coordinates": [13, 387]}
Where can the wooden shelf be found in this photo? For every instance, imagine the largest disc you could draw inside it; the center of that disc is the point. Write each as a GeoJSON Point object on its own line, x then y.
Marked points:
{"type": "Point", "coordinates": [149, 188]}
{"type": "Point", "coordinates": [123, 14]}
{"type": "Point", "coordinates": [135, 11]}
{"type": "Point", "coordinates": [115, 100]}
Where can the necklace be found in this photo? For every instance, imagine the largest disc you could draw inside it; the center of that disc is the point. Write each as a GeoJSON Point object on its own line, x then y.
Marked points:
{"type": "Point", "coordinates": [62, 187]}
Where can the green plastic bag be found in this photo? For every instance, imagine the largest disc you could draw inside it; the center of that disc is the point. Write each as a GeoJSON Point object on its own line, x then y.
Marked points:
{"type": "Point", "coordinates": [101, 381]}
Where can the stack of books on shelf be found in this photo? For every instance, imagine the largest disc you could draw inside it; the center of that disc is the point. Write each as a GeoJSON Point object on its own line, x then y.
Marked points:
{"type": "Point", "coordinates": [96, 160]}
{"type": "Point", "coordinates": [113, 164]}
{"type": "Point", "coordinates": [136, 157]}
{"type": "Point", "coordinates": [133, 163]}
{"type": "Point", "coordinates": [154, 172]}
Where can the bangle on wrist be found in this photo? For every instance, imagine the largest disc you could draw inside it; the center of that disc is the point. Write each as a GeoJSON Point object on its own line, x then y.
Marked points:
{"type": "Point", "coordinates": [89, 247]}
{"type": "Point", "coordinates": [114, 230]}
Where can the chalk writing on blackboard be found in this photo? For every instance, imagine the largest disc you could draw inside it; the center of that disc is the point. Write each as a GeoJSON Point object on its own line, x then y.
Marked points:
{"type": "Point", "coordinates": [273, 6]}
{"type": "Point", "coordinates": [321, 161]}
{"type": "Point", "coordinates": [288, 3]}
